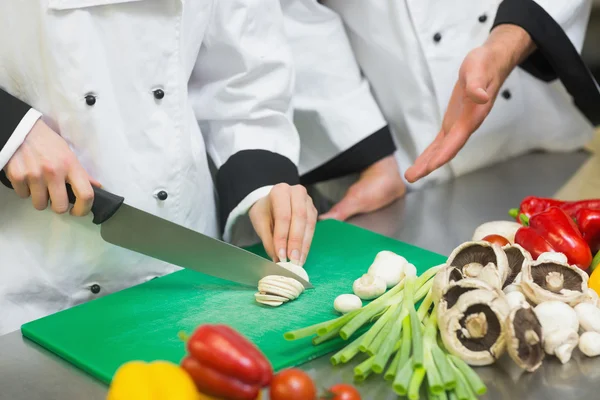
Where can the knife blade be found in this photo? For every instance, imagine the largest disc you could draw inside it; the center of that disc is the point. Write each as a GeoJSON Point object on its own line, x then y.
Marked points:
{"type": "Point", "coordinates": [136, 230]}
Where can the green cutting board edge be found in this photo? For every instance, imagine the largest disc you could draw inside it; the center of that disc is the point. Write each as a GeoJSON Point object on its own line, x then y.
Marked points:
{"type": "Point", "coordinates": [142, 322]}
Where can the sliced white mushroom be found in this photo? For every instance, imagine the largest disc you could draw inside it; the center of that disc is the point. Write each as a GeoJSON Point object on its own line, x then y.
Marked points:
{"type": "Point", "coordinates": [507, 229]}
{"type": "Point", "coordinates": [346, 303]}
{"type": "Point", "coordinates": [589, 344]}
{"type": "Point", "coordinates": [388, 266]}
{"type": "Point", "coordinates": [369, 287]}
{"type": "Point", "coordinates": [589, 317]}
{"type": "Point", "coordinates": [274, 290]}
{"type": "Point", "coordinates": [549, 280]}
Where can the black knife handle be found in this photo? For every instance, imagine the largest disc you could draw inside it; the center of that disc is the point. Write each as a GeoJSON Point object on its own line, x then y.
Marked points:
{"type": "Point", "coordinates": [105, 203]}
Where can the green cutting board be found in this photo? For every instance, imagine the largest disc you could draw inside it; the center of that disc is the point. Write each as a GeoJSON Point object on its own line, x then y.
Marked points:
{"type": "Point", "coordinates": [142, 322]}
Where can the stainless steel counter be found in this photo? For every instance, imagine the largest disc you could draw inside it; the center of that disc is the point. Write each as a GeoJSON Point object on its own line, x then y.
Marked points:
{"type": "Point", "coordinates": [438, 219]}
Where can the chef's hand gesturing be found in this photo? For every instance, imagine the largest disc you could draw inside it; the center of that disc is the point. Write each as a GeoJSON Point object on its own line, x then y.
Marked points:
{"type": "Point", "coordinates": [481, 76]}
{"type": "Point", "coordinates": [285, 222]}
{"type": "Point", "coordinates": [378, 186]}
{"type": "Point", "coordinates": [40, 168]}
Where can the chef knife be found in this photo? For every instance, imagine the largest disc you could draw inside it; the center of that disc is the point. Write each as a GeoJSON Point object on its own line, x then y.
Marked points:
{"type": "Point", "coordinates": [128, 227]}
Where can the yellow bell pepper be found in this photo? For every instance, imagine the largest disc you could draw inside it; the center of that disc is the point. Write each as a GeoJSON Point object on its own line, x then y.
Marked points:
{"type": "Point", "coordinates": [158, 380]}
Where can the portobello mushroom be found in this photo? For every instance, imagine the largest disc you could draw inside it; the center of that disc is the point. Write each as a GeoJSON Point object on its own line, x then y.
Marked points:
{"type": "Point", "coordinates": [482, 260]}
{"type": "Point", "coordinates": [443, 279]}
{"type": "Point", "coordinates": [550, 280]}
{"type": "Point", "coordinates": [517, 256]}
{"type": "Point", "coordinates": [474, 327]}
{"type": "Point", "coordinates": [525, 339]}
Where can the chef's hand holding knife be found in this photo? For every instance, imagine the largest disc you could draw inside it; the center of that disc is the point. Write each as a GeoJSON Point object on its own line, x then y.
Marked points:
{"type": "Point", "coordinates": [41, 166]}
{"type": "Point", "coordinates": [481, 76]}
{"type": "Point", "coordinates": [284, 220]}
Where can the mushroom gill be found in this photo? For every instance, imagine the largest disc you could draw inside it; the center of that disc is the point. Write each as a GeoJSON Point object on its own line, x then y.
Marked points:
{"type": "Point", "coordinates": [443, 278]}
{"type": "Point", "coordinates": [516, 256]}
{"type": "Point", "coordinates": [546, 281]}
{"type": "Point", "coordinates": [482, 260]}
{"type": "Point", "coordinates": [525, 340]}
{"type": "Point", "coordinates": [454, 290]}
{"type": "Point", "coordinates": [473, 329]}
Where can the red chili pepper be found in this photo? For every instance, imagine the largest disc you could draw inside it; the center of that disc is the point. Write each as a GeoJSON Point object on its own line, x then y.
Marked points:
{"type": "Point", "coordinates": [554, 230]}
{"type": "Point", "coordinates": [223, 363]}
{"type": "Point", "coordinates": [589, 225]}
{"type": "Point", "coordinates": [532, 205]}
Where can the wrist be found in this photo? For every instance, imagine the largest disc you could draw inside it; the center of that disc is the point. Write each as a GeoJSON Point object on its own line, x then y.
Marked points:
{"type": "Point", "coordinates": [509, 45]}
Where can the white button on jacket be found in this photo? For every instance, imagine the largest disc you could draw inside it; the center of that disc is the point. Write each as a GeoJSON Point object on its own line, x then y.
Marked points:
{"type": "Point", "coordinates": [410, 52]}
{"type": "Point", "coordinates": [141, 90]}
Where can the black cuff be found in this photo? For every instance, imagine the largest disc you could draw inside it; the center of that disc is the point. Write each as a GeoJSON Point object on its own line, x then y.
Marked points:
{"type": "Point", "coordinates": [248, 170]}
{"type": "Point", "coordinates": [555, 57]}
{"type": "Point", "coordinates": [354, 160]}
{"type": "Point", "coordinates": [13, 111]}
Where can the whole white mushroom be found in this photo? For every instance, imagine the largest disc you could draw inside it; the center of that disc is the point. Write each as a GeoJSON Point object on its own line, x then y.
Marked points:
{"type": "Point", "coordinates": [346, 303]}
{"type": "Point", "coordinates": [589, 317]}
{"type": "Point", "coordinates": [369, 287]}
{"type": "Point", "coordinates": [589, 344]}
{"type": "Point", "coordinates": [559, 328]}
{"type": "Point", "coordinates": [388, 266]}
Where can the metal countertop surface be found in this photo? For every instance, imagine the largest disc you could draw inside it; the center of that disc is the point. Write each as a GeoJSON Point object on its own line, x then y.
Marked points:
{"type": "Point", "coordinates": [438, 218]}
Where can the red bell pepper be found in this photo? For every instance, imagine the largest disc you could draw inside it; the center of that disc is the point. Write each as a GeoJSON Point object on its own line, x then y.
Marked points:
{"type": "Point", "coordinates": [554, 230]}
{"type": "Point", "coordinates": [532, 205]}
{"type": "Point", "coordinates": [589, 225]}
{"type": "Point", "coordinates": [225, 364]}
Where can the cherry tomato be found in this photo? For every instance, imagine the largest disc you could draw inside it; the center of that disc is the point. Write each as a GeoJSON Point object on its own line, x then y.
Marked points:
{"type": "Point", "coordinates": [499, 240]}
{"type": "Point", "coordinates": [342, 391]}
{"type": "Point", "coordinates": [292, 384]}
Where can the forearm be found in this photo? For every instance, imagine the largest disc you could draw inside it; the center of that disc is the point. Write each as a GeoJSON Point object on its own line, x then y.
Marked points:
{"type": "Point", "coordinates": [510, 46]}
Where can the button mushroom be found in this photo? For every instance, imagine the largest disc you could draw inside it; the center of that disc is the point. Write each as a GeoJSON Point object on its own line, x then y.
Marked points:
{"type": "Point", "coordinates": [559, 328]}
{"type": "Point", "coordinates": [474, 328]}
{"type": "Point", "coordinates": [443, 278]}
{"type": "Point", "coordinates": [553, 256]}
{"type": "Point", "coordinates": [388, 266]}
{"type": "Point", "coordinates": [508, 229]}
{"type": "Point", "coordinates": [588, 316]}
{"type": "Point", "coordinates": [591, 297]}
{"type": "Point", "coordinates": [515, 299]}
{"type": "Point", "coordinates": [517, 256]}
{"type": "Point", "coordinates": [547, 281]}
{"type": "Point", "coordinates": [589, 344]}
{"type": "Point", "coordinates": [525, 337]}
{"type": "Point", "coordinates": [346, 303]}
{"type": "Point", "coordinates": [369, 287]}
{"type": "Point", "coordinates": [482, 260]}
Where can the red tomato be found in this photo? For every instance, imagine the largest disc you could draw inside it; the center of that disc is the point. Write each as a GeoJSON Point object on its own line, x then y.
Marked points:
{"type": "Point", "coordinates": [341, 391]}
{"type": "Point", "coordinates": [292, 384]}
{"type": "Point", "coordinates": [499, 240]}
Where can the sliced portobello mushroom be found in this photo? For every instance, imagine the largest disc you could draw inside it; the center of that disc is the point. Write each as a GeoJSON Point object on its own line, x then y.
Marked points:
{"type": "Point", "coordinates": [443, 279]}
{"type": "Point", "coordinates": [550, 280]}
{"type": "Point", "coordinates": [517, 256]}
{"type": "Point", "coordinates": [474, 327]}
{"type": "Point", "coordinates": [481, 260]}
{"type": "Point", "coordinates": [525, 340]}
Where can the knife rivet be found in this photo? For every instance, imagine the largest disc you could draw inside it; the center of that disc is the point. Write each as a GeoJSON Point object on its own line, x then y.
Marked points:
{"type": "Point", "coordinates": [162, 195]}
{"type": "Point", "coordinates": [95, 288]}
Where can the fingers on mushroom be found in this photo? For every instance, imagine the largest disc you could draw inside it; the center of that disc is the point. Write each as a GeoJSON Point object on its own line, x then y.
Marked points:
{"type": "Point", "coordinates": [525, 337]}
{"type": "Point", "coordinates": [508, 229]}
{"type": "Point", "coordinates": [481, 260]}
{"type": "Point", "coordinates": [346, 303]}
{"type": "Point", "coordinates": [544, 281]}
{"type": "Point", "coordinates": [559, 327]}
{"type": "Point", "coordinates": [388, 266]}
{"type": "Point", "coordinates": [474, 327]}
{"type": "Point", "coordinates": [589, 344]}
{"type": "Point", "coordinates": [369, 287]}
{"type": "Point", "coordinates": [588, 316]}
{"type": "Point", "coordinates": [517, 256]}
{"type": "Point", "coordinates": [274, 290]}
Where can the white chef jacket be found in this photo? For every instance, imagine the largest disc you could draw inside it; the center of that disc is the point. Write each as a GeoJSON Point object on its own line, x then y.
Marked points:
{"type": "Point", "coordinates": [128, 84]}
{"type": "Point", "coordinates": [411, 50]}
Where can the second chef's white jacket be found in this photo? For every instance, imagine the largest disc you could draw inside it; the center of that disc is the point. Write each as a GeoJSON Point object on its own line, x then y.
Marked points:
{"type": "Point", "coordinates": [141, 90]}
{"type": "Point", "coordinates": [410, 52]}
